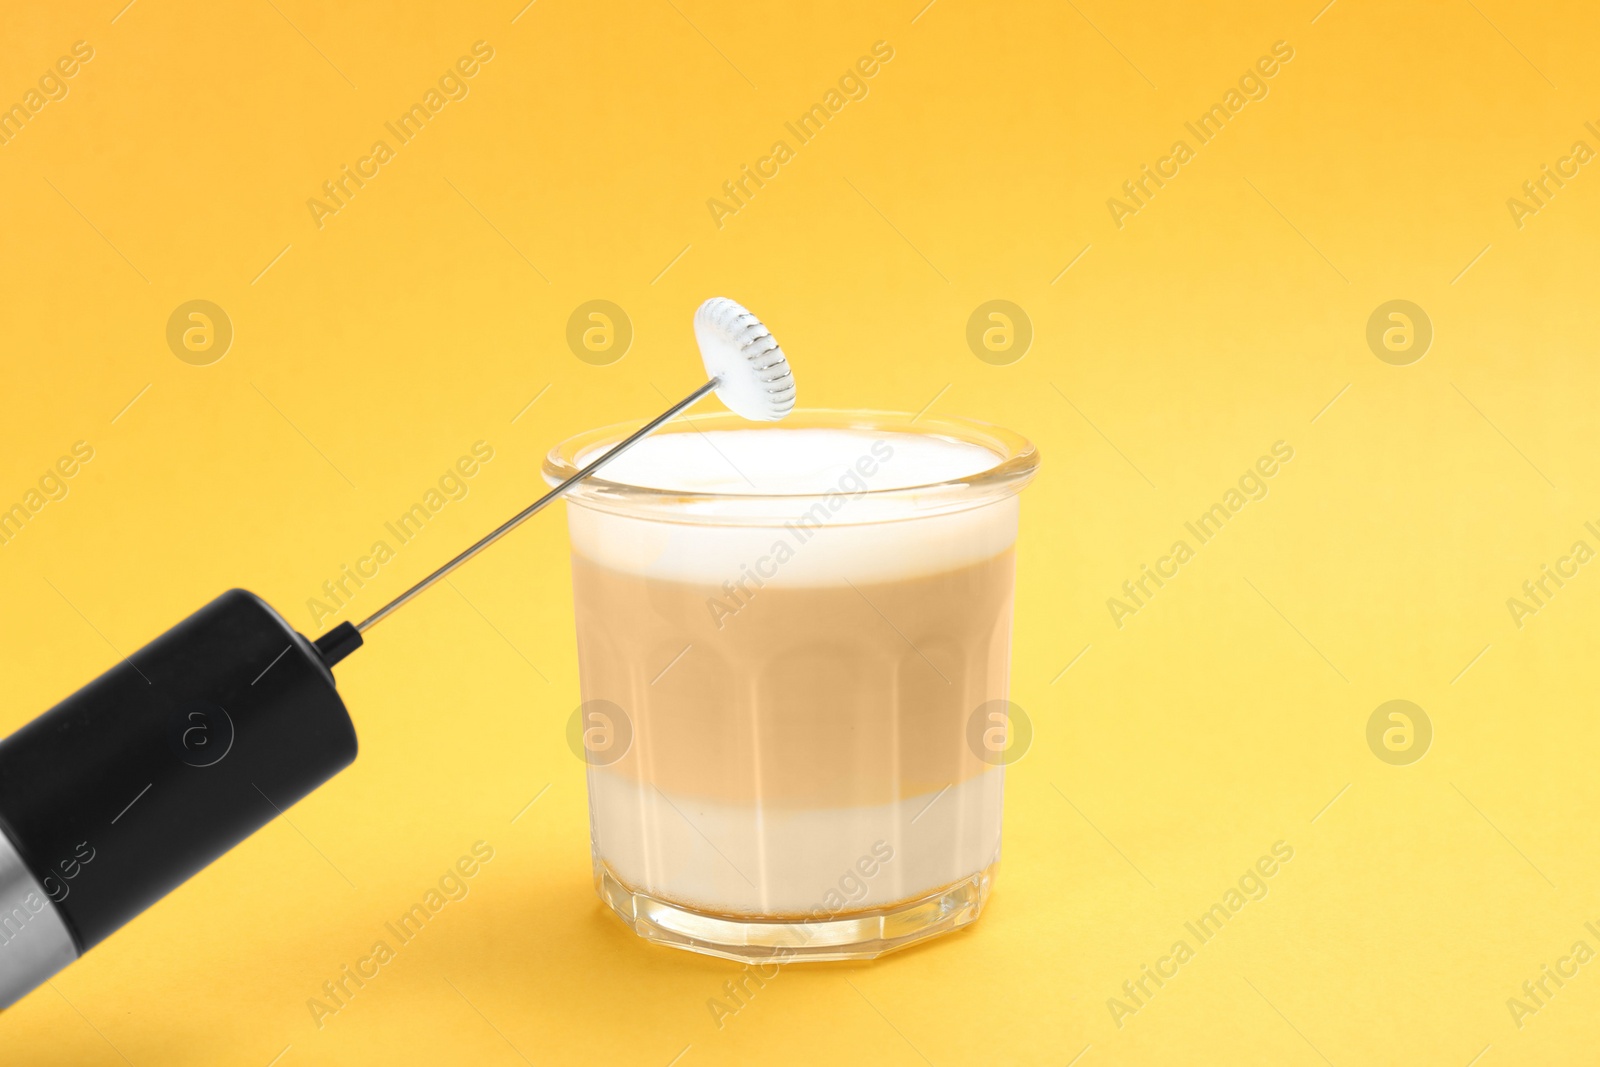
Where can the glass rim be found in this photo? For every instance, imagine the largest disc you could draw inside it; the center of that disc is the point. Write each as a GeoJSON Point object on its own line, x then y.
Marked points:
{"type": "Point", "coordinates": [1016, 462]}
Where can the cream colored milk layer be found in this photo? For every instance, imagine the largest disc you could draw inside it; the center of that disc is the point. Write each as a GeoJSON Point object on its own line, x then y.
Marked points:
{"type": "Point", "coordinates": [748, 860]}
{"type": "Point", "coordinates": [795, 689]}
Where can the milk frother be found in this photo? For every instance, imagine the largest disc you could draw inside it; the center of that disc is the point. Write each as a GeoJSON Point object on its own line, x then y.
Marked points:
{"type": "Point", "coordinates": [131, 785]}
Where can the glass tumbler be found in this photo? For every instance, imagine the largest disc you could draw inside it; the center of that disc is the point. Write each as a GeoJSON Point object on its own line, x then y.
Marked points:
{"type": "Point", "coordinates": [795, 702]}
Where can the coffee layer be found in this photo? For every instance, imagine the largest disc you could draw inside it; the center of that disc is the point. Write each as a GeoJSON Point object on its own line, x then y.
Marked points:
{"type": "Point", "coordinates": [836, 696]}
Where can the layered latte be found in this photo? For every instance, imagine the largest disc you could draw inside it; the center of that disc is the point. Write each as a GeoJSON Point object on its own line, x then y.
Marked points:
{"type": "Point", "coordinates": [797, 650]}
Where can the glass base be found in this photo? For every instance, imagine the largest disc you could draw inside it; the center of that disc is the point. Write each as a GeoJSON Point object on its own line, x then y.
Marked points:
{"type": "Point", "coordinates": [859, 935]}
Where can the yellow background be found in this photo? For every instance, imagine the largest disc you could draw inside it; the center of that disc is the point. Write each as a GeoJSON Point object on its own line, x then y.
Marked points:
{"type": "Point", "coordinates": [1224, 316]}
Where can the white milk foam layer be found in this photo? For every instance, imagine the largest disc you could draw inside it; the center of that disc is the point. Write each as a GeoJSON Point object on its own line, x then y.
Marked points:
{"type": "Point", "coordinates": [837, 529]}
{"type": "Point", "coordinates": [791, 461]}
{"type": "Point", "coordinates": [745, 860]}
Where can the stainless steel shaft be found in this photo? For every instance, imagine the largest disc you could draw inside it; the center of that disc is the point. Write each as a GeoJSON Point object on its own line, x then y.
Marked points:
{"type": "Point", "coordinates": [537, 506]}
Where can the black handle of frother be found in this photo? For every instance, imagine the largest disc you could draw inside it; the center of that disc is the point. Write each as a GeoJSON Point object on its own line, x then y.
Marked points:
{"type": "Point", "coordinates": [131, 785]}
